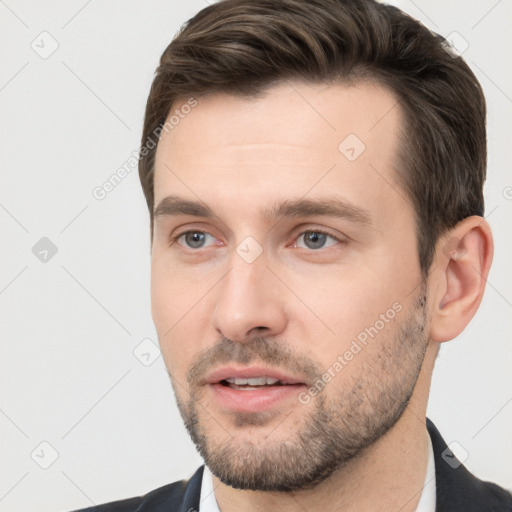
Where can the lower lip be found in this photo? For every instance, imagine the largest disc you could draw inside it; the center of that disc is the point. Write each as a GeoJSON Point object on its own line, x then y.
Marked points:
{"type": "Point", "coordinates": [254, 400]}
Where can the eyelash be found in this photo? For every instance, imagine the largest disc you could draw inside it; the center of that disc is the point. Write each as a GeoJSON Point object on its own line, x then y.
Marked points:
{"type": "Point", "coordinates": [174, 238]}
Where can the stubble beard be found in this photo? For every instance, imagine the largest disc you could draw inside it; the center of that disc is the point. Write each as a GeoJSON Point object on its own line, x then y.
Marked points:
{"type": "Point", "coordinates": [334, 430]}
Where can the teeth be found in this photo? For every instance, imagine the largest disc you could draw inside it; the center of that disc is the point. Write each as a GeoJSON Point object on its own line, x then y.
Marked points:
{"type": "Point", "coordinates": [253, 381]}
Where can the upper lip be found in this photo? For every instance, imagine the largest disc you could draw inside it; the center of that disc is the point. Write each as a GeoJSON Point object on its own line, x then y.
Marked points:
{"type": "Point", "coordinates": [230, 372]}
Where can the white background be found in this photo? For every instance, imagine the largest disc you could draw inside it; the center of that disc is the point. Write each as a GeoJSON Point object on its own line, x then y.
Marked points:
{"type": "Point", "coordinates": [69, 326]}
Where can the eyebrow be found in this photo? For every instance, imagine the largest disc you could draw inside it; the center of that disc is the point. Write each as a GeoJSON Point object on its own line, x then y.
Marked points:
{"type": "Point", "coordinates": [173, 205]}
{"type": "Point", "coordinates": [330, 207]}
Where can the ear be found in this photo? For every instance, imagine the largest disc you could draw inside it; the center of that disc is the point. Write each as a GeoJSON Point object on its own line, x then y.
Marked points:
{"type": "Point", "coordinates": [460, 269]}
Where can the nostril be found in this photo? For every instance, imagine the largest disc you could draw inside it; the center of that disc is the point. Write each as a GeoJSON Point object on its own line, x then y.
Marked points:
{"type": "Point", "coordinates": [258, 331]}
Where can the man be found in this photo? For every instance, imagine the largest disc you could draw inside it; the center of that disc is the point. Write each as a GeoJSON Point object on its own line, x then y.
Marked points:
{"type": "Point", "coordinates": [317, 232]}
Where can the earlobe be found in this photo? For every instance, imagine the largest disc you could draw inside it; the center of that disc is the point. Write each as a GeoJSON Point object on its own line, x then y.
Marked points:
{"type": "Point", "coordinates": [462, 262]}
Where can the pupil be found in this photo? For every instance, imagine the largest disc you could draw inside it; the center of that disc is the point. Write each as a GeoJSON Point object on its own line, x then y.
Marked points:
{"type": "Point", "coordinates": [314, 239]}
{"type": "Point", "coordinates": [195, 239]}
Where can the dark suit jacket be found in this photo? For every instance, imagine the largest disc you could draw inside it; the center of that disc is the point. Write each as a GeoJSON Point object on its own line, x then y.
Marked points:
{"type": "Point", "coordinates": [456, 489]}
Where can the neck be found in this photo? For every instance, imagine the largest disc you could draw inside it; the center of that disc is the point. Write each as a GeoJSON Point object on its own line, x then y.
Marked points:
{"type": "Point", "coordinates": [388, 475]}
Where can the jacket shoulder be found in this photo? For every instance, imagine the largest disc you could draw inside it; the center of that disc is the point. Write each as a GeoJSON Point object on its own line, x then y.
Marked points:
{"type": "Point", "coordinates": [457, 488]}
{"type": "Point", "coordinates": [176, 497]}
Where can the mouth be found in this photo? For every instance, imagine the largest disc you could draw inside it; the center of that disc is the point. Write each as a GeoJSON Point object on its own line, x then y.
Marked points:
{"type": "Point", "coordinates": [251, 383]}
{"type": "Point", "coordinates": [252, 376]}
{"type": "Point", "coordinates": [252, 389]}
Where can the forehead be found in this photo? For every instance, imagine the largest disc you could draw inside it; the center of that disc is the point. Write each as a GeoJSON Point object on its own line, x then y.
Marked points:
{"type": "Point", "coordinates": [295, 139]}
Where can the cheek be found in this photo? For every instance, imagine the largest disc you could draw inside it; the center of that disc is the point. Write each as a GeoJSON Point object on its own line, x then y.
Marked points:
{"type": "Point", "coordinates": [173, 292]}
{"type": "Point", "coordinates": [180, 310]}
{"type": "Point", "coordinates": [163, 297]}
{"type": "Point", "coordinates": [348, 307]}
{"type": "Point", "coordinates": [341, 299]}
{"type": "Point", "coordinates": [168, 305]}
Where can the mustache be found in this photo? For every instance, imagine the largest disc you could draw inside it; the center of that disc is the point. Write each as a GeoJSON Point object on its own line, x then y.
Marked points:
{"type": "Point", "coordinates": [268, 351]}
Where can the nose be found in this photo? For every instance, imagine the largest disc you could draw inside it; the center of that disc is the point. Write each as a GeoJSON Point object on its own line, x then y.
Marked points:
{"type": "Point", "coordinates": [250, 302]}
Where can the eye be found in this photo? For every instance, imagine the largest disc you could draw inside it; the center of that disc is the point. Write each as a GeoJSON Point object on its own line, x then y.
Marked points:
{"type": "Point", "coordinates": [315, 239]}
{"type": "Point", "coordinates": [195, 239]}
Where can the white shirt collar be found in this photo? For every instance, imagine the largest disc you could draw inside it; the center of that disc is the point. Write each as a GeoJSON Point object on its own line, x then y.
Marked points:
{"type": "Point", "coordinates": [427, 502]}
{"type": "Point", "coordinates": [207, 502]}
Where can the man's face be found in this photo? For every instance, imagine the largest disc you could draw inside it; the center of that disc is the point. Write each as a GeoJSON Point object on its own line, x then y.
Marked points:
{"type": "Point", "coordinates": [285, 279]}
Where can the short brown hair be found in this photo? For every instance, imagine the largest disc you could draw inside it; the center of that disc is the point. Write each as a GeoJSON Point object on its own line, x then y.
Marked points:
{"type": "Point", "coordinates": [242, 47]}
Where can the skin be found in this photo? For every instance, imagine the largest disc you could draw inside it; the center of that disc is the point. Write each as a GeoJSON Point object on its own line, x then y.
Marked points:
{"type": "Point", "coordinates": [241, 156]}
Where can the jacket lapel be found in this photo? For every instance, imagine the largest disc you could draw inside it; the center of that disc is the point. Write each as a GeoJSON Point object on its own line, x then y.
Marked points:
{"type": "Point", "coordinates": [456, 488]}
